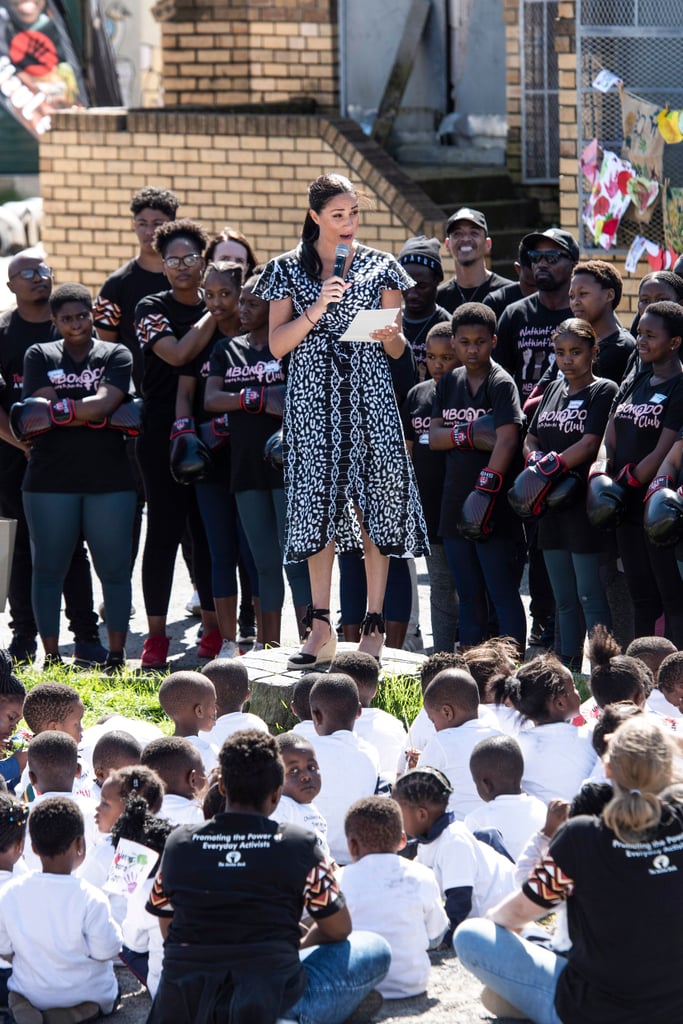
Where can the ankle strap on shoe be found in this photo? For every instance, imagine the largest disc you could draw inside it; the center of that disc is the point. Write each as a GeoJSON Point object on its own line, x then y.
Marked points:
{"type": "Point", "coordinates": [373, 622]}
{"type": "Point", "coordinates": [315, 613]}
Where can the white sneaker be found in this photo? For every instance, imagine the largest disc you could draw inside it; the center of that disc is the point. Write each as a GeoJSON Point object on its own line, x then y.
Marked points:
{"type": "Point", "coordinates": [193, 606]}
{"type": "Point", "coordinates": [229, 649]}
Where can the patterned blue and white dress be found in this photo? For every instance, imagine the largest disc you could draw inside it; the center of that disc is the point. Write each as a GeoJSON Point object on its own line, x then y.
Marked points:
{"type": "Point", "coordinates": [343, 439]}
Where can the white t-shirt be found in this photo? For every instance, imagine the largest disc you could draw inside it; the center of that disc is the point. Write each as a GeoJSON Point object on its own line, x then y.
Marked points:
{"type": "Point", "coordinates": [386, 734]}
{"type": "Point", "coordinates": [208, 751]}
{"type": "Point", "coordinates": [179, 810]}
{"type": "Point", "coordinates": [226, 725]}
{"type": "Point", "coordinates": [557, 758]}
{"type": "Point", "coordinates": [92, 835]}
{"type": "Point", "coordinates": [306, 730]}
{"type": "Point", "coordinates": [141, 933]}
{"type": "Point", "coordinates": [63, 937]}
{"type": "Point", "coordinates": [95, 869]}
{"type": "Point", "coordinates": [401, 901]}
{"type": "Point", "coordinates": [458, 859]}
{"type": "Point", "coordinates": [516, 816]}
{"type": "Point", "coordinates": [307, 816]}
{"type": "Point", "coordinates": [658, 703]}
{"type": "Point", "coordinates": [349, 769]}
{"type": "Point", "coordinates": [449, 750]}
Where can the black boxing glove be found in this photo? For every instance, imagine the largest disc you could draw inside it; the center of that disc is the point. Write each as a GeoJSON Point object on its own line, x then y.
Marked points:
{"type": "Point", "coordinates": [479, 435]}
{"type": "Point", "coordinates": [565, 492]}
{"type": "Point", "coordinates": [476, 512]}
{"type": "Point", "coordinates": [252, 399]}
{"type": "Point", "coordinates": [528, 492]}
{"type": "Point", "coordinates": [626, 476]}
{"type": "Point", "coordinates": [63, 412]}
{"type": "Point", "coordinates": [30, 418]}
{"type": "Point", "coordinates": [215, 433]}
{"type": "Point", "coordinates": [190, 458]}
{"type": "Point", "coordinates": [663, 519]}
{"type": "Point", "coordinates": [127, 417]}
{"type": "Point", "coordinates": [605, 499]}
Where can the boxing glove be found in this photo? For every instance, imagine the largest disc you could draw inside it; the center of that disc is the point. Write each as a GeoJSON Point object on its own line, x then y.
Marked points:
{"type": "Point", "coordinates": [626, 477]}
{"type": "Point", "coordinates": [477, 509]}
{"type": "Point", "coordinates": [605, 499]}
{"type": "Point", "coordinates": [528, 492]}
{"type": "Point", "coordinates": [663, 520]}
{"type": "Point", "coordinates": [190, 458]}
{"type": "Point", "coordinates": [215, 433]}
{"type": "Point", "coordinates": [127, 417]}
{"type": "Point", "coordinates": [479, 435]}
{"type": "Point", "coordinates": [63, 412]}
{"type": "Point", "coordinates": [275, 400]}
{"type": "Point", "coordinates": [30, 418]}
{"type": "Point", "coordinates": [252, 399]}
{"type": "Point", "coordinates": [273, 451]}
{"type": "Point", "coordinates": [568, 490]}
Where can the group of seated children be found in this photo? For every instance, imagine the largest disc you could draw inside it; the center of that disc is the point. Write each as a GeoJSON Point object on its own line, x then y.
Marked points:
{"type": "Point", "coordinates": [478, 782]}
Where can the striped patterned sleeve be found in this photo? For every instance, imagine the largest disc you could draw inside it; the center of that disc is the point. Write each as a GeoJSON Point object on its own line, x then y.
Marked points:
{"type": "Point", "coordinates": [322, 895]}
{"type": "Point", "coordinates": [547, 885]}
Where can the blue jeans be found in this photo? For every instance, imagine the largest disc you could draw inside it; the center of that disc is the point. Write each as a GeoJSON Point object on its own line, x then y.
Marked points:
{"type": "Point", "coordinates": [56, 522]}
{"type": "Point", "coordinates": [340, 975]}
{"type": "Point", "coordinates": [353, 591]}
{"type": "Point", "coordinates": [493, 567]}
{"type": "Point", "coordinates": [580, 597]}
{"type": "Point", "coordinates": [521, 972]}
{"type": "Point", "coordinates": [263, 514]}
{"type": "Point", "coordinates": [225, 537]}
{"type": "Point", "coordinates": [443, 600]}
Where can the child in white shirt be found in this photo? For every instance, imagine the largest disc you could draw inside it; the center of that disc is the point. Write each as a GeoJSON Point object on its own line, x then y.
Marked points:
{"type": "Point", "coordinates": [653, 651]}
{"type": "Point", "coordinates": [51, 707]}
{"type": "Point", "coordinates": [375, 726]}
{"type": "Point", "coordinates": [670, 687]}
{"type": "Point", "coordinates": [300, 705]}
{"type": "Point", "coordinates": [52, 766]}
{"type": "Point", "coordinates": [398, 899]}
{"type": "Point", "coordinates": [349, 767]}
{"type": "Point", "coordinates": [181, 770]}
{"type": "Point", "coordinates": [421, 730]}
{"type": "Point", "coordinates": [472, 876]}
{"type": "Point", "coordinates": [113, 750]}
{"type": "Point", "coordinates": [13, 818]}
{"type": "Point", "coordinates": [231, 683]}
{"type": "Point", "coordinates": [558, 756]}
{"type": "Point", "coordinates": [189, 700]}
{"type": "Point", "coordinates": [60, 922]}
{"type": "Point", "coordinates": [452, 703]}
{"type": "Point", "coordinates": [300, 788]}
{"type": "Point", "coordinates": [497, 766]}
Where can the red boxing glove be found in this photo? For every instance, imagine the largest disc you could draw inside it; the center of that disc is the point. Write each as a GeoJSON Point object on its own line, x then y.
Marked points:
{"type": "Point", "coordinates": [626, 477]}
{"type": "Point", "coordinates": [532, 458]}
{"type": "Point", "coordinates": [528, 493]}
{"type": "Point", "coordinates": [63, 412]}
{"type": "Point", "coordinates": [461, 436]}
{"type": "Point", "coordinates": [657, 484]}
{"type": "Point", "coordinates": [252, 399]}
{"type": "Point", "coordinates": [476, 512]}
{"type": "Point", "coordinates": [97, 424]}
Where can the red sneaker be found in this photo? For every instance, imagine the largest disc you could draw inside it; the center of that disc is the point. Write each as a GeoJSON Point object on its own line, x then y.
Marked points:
{"type": "Point", "coordinates": [155, 652]}
{"type": "Point", "coordinates": [210, 644]}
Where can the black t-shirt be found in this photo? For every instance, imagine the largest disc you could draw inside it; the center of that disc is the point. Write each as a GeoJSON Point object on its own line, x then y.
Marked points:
{"type": "Point", "coordinates": [415, 333]}
{"type": "Point", "coordinates": [69, 460]}
{"type": "Point", "coordinates": [455, 404]}
{"type": "Point", "coordinates": [614, 353]}
{"type": "Point", "coordinates": [241, 366]}
{"type": "Point", "coordinates": [503, 297]}
{"type": "Point", "coordinates": [560, 421]}
{"type": "Point", "coordinates": [114, 307]}
{"type": "Point", "coordinates": [625, 906]}
{"type": "Point", "coordinates": [524, 344]}
{"type": "Point", "coordinates": [242, 879]}
{"type": "Point", "coordinates": [430, 466]}
{"type": "Point", "coordinates": [157, 316]}
{"type": "Point", "coordinates": [16, 337]}
{"type": "Point", "coordinates": [450, 295]}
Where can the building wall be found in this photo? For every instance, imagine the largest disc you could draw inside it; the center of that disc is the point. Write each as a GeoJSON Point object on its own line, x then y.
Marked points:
{"type": "Point", "coordinates": [248, 170]}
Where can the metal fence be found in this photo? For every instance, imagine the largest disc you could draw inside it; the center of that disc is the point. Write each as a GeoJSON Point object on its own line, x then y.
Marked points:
{"type": "Point", "coordinates": [641, 41]}
{"type": "Point", "coordinates": [540, 141]}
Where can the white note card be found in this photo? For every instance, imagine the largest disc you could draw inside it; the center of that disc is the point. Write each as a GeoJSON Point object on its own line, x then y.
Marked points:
{"type": "Point", "coordinates": [368, 320]}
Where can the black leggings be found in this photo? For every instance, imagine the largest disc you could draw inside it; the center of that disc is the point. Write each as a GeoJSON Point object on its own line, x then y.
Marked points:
{"type": "Point", "coordinates": [653, 581]}
{"type": "Point", "coordinates": [169, 507]}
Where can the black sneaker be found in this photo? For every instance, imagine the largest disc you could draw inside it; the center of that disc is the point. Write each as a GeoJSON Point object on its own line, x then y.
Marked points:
{"type": "Point", "coordinates": [52, 660]}
{"type": "Point", "coordinates": [542, 634]}
{"type": "Point", "coordinates": [115, 662]}
{"type": "Point", "coordinates": [22, 649]}
{"type": "Point", "coordinates": [89, 653]}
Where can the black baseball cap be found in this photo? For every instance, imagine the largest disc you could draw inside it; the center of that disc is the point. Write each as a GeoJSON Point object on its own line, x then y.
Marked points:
{"type": "Point", "coordinates": [466, 213]}
{"type": "Point", "coordinates": [563, 240]}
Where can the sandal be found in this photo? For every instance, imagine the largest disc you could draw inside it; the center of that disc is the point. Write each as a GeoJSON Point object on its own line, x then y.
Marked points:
{"type": "Point", "coordinates": [372, 627]}
{"type": "Point", "coordinates": [327, 650]}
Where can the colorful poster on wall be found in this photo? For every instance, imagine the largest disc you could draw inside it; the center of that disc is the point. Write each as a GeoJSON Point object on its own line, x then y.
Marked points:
{"type": "Point", "coordinates": [672, 215]}
{"type": "Point", "coordinates": [39, 70]}
{"type": "Point", "coordinates": [609, 199]}
{"type": "Point", "coordinates": [643, 145]}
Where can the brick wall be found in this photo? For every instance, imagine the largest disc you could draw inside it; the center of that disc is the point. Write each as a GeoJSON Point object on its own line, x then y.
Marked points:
{"type": "Point", "coordinates": [257, 51]}
{"type": "Point", "coordinates": [249, 170]}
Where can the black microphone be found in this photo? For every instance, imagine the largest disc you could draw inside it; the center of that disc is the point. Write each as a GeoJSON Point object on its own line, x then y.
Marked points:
{"type": "Point", "coordinates": [340, 254]}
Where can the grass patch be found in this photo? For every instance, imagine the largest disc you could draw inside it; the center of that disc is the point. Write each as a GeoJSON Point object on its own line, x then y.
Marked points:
{"type": "Point", "coordinates": [401, 696]}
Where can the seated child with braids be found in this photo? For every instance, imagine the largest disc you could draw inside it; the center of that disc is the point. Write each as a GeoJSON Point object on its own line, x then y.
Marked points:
{"type": "Point", "coordinates": [58, 927]}
{"type": "Point", "coordinates": [13, 818]}
{"type": "Point", "coordinates": [398, 899]}
{"type": "Point", "coordinates": [12, 695]}
{"type": "Point", "coordinates": [472, 876]}
{"type": "Point", "coordinates": [143, 949]}
{"type": "Point", "coordinates": [558, 756]}
{"type": "Point", "coordinates": [116, 789]}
